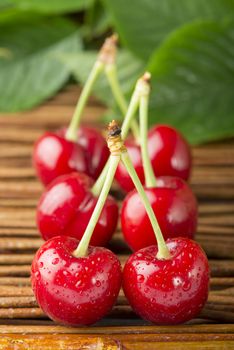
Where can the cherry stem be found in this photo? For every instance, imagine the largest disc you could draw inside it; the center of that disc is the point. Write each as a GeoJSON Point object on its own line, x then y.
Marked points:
{"type": "Point", "coordinates": [82, 248]}
{"type": "Point", "coordinates": [132, 108]}
{"type": "Point", "coordinates": [163, 252]}
{"type": "Point", "coordinates": [150, 179]}
{"type": "Point", "coordinates": [71, 133]}
{"type": "Point", "coordinates": [115, 145]}
{"type": "Point", "coordinates": [112, 77]}
{"type": "Point", "coordinates": [105, 59]}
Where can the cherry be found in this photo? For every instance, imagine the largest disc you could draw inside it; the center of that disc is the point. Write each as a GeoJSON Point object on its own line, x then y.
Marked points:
{"type": "Point", "coordinates": [174, 205]}
{"type": "Point", "coordinates": [167, 291]}
{"type": "Point", "coordinates": [95, 148]}
{"type": "Point", "coordinates": [66, 207]}
{"type": "Point", "coordinates": [54, 155]}
{"type": "Point", "coordinates": [75, 290]}
{"type": "Point", "coordinates": [169, 153]}
{"type": "Point", "coordinates": [74, 283]}
{"type": "Point", "coordinates": [122, 177]}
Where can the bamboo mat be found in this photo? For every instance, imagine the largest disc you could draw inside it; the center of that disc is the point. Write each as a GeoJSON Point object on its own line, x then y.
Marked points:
{"type": "Point", "coordinates": [24, 326]}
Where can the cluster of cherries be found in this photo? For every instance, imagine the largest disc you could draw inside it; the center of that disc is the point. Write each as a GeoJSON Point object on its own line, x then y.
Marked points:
{"type": "Point", "coordinates": [76, 283]}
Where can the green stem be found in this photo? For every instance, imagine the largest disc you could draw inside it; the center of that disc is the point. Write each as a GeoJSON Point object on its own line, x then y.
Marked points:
{"type": "Point", "coordinates": [132, 108]}
{"type": "Point", "coordinates": [73, 127]}
{"type": "Point", "coordinates": [163, 252]}
{"type": "Point", "coordinates": [150, 179]}
{"type": "Point", "coordinates": [133, 105]}
{"type": "Point", "coordinates": [100, 180]}
{"type": "Point", "coordinates": [112, 77]}
{"type": "Point", "coordinates": [82, 248]}
{"type": "Point", "coordinates": [111, 74]}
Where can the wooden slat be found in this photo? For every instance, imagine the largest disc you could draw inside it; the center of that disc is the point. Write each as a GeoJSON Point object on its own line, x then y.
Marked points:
{"type": "Point", "coordinates": [15, 270]}
{"type": "Point", "coordinates": [181, 329]}
{"type": "Point", "coordinates": [15, 244]}
{"type": "Point", "coordinates": [60, 342]}
{"type": "Point", "coordinates": [15, 259]}
{"type": "Point", "coordinates": [17, 302]}
{"type": "Point", "coordinates": [15, 281]}
{"type": "Point", "coordinates": [74, 341]}
{"type": "Point", "coordinates": [15, 173]}
{"type": "Point", "coordinates": [8, 291]}
{"type": "Point", "coordinates": [215, 208]}
{"type": "Point", "coordinates": [18, 203]}
{"type": "Point", "coordinates": [35, 122]}
{"type": "Point", "coordinates": [24, 313]}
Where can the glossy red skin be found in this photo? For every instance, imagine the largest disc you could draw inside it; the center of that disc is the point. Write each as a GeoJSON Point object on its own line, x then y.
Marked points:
{"type": "Point", "coordinates": [167, 291]}
{"type": "Point", "coordinates": [96, 150]}
{"type": "Point", "coordinates": [174, 205]}
{"type": "Point", "coordinates": [66, 207]}
{"type": "Point", "coordinates": [169, 153]}
{"type": "Point", "coordinates": [53, 155]}
{"type": "Point", "coordinates": [75, 291]}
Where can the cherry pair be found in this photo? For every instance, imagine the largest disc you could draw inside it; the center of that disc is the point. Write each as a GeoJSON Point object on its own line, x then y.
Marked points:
{"type": "Point", "coordinates": [81, 149]}
{"type": "Point", "coordinates": [172, 200]}
{"type": "Point", "coordinates": [67, 203]}
{"type": "Point", "coordinates": [76, 284]}
{"type": "Point", "coordinates": [77, 290]}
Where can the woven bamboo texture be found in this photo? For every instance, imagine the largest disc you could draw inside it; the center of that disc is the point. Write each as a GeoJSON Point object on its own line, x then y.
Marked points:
{"type": "Point", "coordinates": [24, 326]}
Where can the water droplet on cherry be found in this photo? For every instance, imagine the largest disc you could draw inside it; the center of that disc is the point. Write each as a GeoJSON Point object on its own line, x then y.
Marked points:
{"type": "Point", "coordinates": [78, 283]}
{"type": "Point", "coordinates": [41, 264]}
{"type": "Point", "coordinates": [140, 278]}
{"type": "Point", "coordinates": [186, 286]}
{"type": "Point", "coordinates": [55, 261]}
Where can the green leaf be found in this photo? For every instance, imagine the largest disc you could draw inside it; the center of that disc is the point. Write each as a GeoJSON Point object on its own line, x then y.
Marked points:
{"type": "Point", "coordinates": [143, 24]}
{"type": "Point", "coordinates": [193, 81]}
{"type": "Point", "coordinates": [4, 4]}
{"type": "Point", "coordinates": [129, 69]}
{"type": "Point", "coordinates": [96, 20]}
{"type": "Point", "coordinates": [32, 73]}
{"type": "Point", "coordinates": [51, 6]}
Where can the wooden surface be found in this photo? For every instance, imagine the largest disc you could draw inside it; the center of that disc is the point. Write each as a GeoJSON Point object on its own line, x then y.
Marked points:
{"type": "Point", "coordinates": [24, 326]}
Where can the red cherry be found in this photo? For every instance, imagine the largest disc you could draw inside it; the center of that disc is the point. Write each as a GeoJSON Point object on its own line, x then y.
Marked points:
{"type": "Point", "coordinates": [121, 175]}
{"type": "Point", "coordinates": [169, 153]}
{"type": "Point", "coordinates": [53, 155]}
{"type": "Point", "coordinates": [167, 291]}
{"type": "Point", "coordinates": [174, 205]}
{"type": "Point", "coordinates": [75, 290]}
{"type": "Point", "coordinates": [96, 150]}
{"type": "Point", "coordinates": [66, 206]}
